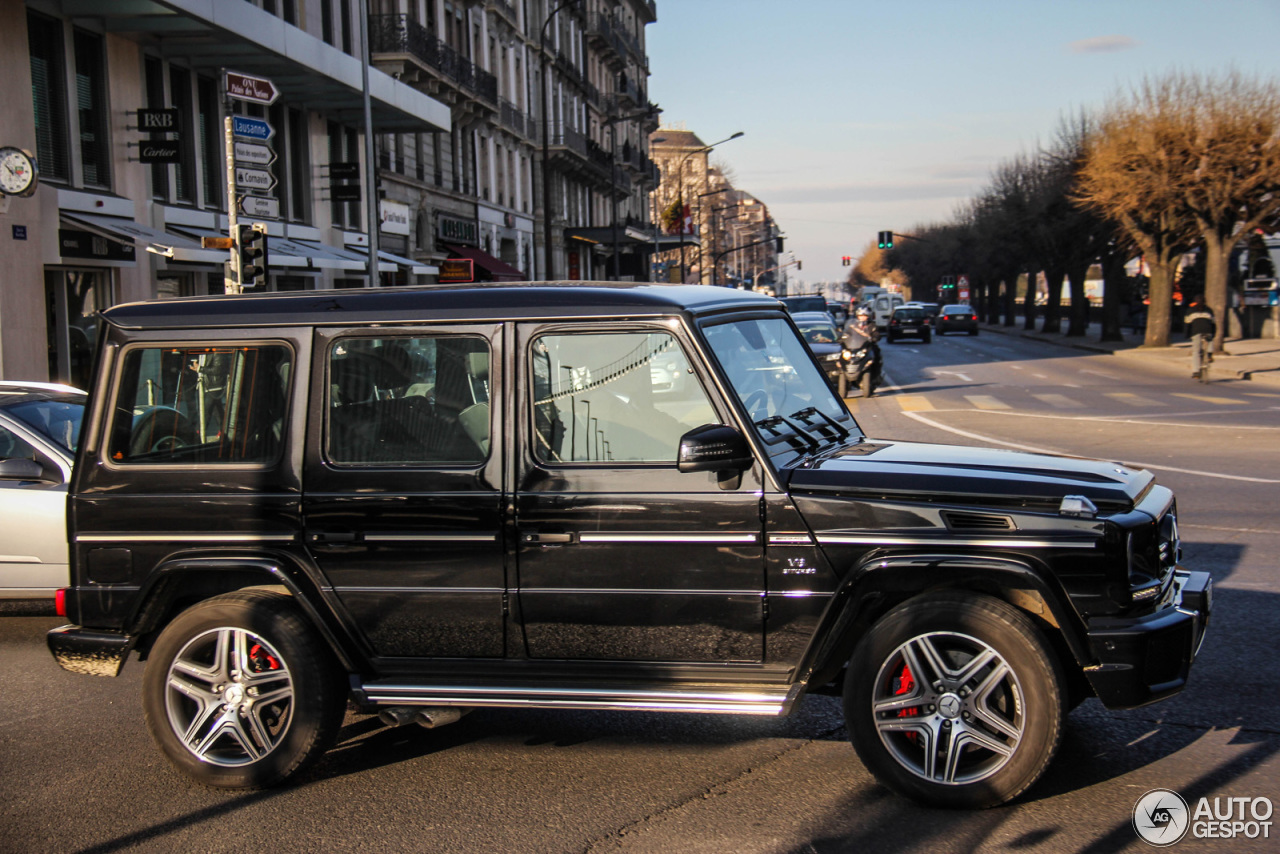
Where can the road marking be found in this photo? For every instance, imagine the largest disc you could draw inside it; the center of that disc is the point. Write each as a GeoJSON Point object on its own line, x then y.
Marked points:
{"type": "Point", "coordinates": [1016, 367]}
{"type": "Point", "coordinates": [985, 401]}
{"type": "Point", "coordinates": [1058, 400]}
{"type": "Point", "coordinates": [1040, 376]}
{"type": "Point", "coordinates": [914, 403]}
{"type": "Point", "coordinates": [994, 441]}
{"type": "Point", "coordinates": [1220, 401]}
{"type": "Point", "coordinates": [1102, 374]}
{"type": "Point", "coordinates": [1228, 530]}
{"type": "Point", "coordinates": [1133, 399]}
{"type": "Point", "coordinates": [964, 377]}
{"type": "Point", "coordinates": [851, 403]}
{"type": "Point", "coordinates": [1260, 394]}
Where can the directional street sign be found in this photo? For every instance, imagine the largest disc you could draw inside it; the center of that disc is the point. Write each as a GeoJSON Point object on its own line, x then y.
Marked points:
{"type": "Point", "coordinates": [260, 206]}
{"type": "Point", "coordinates": [254, 179]}
{"type": "Point", "coordinates": [246, 87]}
{"type": "Point", "coordinates": [251, 128]}
{"type": "Point", "coordinates": [254, 153]}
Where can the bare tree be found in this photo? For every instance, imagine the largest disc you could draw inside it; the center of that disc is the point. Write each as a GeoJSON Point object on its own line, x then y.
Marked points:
{"type": "Point", "coordinates": [1184, 159]}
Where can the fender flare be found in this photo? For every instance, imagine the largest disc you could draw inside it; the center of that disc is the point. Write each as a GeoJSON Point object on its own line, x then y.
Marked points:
{"type": "Point", "coordinates": [879, 582]}
{"type": "Point", "coordinates": [160, 591]}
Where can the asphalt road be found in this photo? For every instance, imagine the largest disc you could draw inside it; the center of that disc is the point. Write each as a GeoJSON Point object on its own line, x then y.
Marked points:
{"type": "Point", "coordinates": [78, 772]}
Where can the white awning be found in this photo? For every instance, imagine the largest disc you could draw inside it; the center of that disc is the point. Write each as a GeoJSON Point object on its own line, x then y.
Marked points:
{"type": "Point", "coordinates": [417, 268]}
{"type": "Point", "coordinates": [360, 260]}
{"type": "Point", "coordinates": [283, 252]}
{"type": "Point", "coordinates": [175, 247]}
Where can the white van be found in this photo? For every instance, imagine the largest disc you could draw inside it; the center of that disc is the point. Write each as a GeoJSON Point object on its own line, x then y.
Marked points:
{"type": "Point", "coordinates": [882, 306]}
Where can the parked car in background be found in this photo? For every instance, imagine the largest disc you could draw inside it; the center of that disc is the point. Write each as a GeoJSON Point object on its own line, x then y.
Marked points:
{"type": "Point", "coordinates": [822, 337]}
{"type": "Point", "coordinates": [39, 428]}
{"type": "Point", "coordinates": [908, 322]}
{"type": "Point", "coordinates": [957, 318]}
{"type": "Point", "coordinates": [810, 302]}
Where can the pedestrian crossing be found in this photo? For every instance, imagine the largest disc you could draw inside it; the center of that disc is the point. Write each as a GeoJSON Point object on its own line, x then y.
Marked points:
{"type": "Point", "coordinates": [1073, 399]}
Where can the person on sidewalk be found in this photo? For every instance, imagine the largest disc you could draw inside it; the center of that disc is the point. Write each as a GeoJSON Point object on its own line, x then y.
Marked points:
{"type": "Point", "coordinates": [1201, 328]}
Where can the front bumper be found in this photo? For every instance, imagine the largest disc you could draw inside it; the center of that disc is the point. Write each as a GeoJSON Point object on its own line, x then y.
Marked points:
{"type": "Point", "coordinates": [89, 651]}
{"type": "Point", "coordinates": [1145, 659]}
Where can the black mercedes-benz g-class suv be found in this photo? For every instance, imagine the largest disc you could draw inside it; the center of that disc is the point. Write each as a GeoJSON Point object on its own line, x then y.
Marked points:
{"type": "Point", "coordinates": [426, 501]}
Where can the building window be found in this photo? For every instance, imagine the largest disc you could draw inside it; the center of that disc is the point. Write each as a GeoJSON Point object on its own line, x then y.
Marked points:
{"type": "Point", "coordinates": [91, 105]}
{"type": "Point", "coordinates": [344, 147]}
{"type": "Point", "coordinates": [344, 15]}
{"type": "Point", "coordinates": [185, 170]}
{"type": "Point", "coordinates": [211, 142]}
{"type": "Point", "coordinates": [49, 96]}
{"type": "Point", "coordinates": [299, 168]}
{"type": "Point", "coordinates": [326, 21]}
{"type": "Point", "coordinates": [153, 72]}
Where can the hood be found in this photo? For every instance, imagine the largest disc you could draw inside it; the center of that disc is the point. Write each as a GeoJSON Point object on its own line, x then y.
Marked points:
{"type": "Point", "coordinates": [957, 474]}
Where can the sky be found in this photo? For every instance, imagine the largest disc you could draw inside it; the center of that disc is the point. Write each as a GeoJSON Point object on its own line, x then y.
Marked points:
{"type": "Point", "coordinates": [861, 116]}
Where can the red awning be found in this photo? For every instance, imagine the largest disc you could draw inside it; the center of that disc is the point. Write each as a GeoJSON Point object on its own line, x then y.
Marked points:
{"type": "Point", "coordinates": [493, 269]}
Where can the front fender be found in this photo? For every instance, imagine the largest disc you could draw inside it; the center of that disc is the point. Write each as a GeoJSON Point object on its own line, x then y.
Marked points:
{"type": "Point", "coordinates": [880, 582]}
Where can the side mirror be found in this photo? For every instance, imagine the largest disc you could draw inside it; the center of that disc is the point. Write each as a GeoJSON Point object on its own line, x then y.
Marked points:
{"type": "Point", "coordinates": [714, 447]}
{"type": "Point", "coordinates": [20, 468]}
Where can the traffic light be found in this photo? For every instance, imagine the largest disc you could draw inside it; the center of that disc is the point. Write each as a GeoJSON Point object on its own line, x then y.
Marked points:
{"type": "Point", "coordinates": [779, 240]}
{"type": "Point", "coordinates": [799, 265]}
{"type": "Point", "coordinates": [251, 254]}
{"type": "Point", "coordinates": [845, 260]}
{"type": "Point", "coordinates": [886, 240]}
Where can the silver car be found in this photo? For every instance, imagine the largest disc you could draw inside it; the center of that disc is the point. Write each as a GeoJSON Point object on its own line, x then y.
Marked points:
{"type": "Point", "coordinates": [39, 428]}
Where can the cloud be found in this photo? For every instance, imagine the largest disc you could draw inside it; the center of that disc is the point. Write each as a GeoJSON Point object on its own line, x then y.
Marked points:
{"type": "Point", "coordinates": [1102, 44]}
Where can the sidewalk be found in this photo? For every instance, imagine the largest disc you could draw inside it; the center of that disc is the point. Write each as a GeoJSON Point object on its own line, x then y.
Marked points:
{"type": "Point", "coordinates": [1251, 360]}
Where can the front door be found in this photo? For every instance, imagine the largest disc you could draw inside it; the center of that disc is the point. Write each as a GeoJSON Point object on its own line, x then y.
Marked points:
{"type": "Point", "coordinates": [621, 557]}
{"type": "Point", "coordinates": [403, 500]}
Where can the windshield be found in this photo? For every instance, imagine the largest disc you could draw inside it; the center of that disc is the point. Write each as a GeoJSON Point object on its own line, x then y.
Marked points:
{"type": "Point", "coordinates": [818, 332]}
{"type": "Point", "coordinates": [788, 399]}
{"type": "Point", "coordinates": [56, 418]}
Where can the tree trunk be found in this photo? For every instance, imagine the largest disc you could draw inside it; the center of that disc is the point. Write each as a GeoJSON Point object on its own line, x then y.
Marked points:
{"type": "Point", "coordinates": [1053, 277]}
{"type": "Point", "coordinates": [1011, 298]}
{"type": "Point", "coordinates": [1113, 291]}
{"type": "Point", "coordinates": [1079, 313]}
{"type": "Point", "coordinates": [1160, 295]}
{"type": "Point", "coordinates": [1217, 256]}
{"type": "Point", "coordinates": [1029, 302]}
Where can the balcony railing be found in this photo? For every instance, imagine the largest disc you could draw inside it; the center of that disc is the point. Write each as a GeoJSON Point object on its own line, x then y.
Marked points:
{"type": "Point", "coordinates": [513, 118]}
{"type": "Point", "coordinates": [400, 34]}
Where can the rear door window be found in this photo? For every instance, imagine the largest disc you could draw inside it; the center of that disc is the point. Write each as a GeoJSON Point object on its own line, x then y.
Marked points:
{"type": "Point", "coordinates": [201, 404]}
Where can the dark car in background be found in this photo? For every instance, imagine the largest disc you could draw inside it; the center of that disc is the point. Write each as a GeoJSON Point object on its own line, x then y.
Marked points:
{"type": "Point", "coordinates": [810, 302]}
{"type": "Point", "coordinates": [910, 322]}
{"type": "Point", "coordinates": [957, 318]}
{"type": "Point", "coordinates": [930, 308]}
{"type": "Point", "coordinates": [39, 428]}
{"type": "Point", "coordinates": [822, 337]}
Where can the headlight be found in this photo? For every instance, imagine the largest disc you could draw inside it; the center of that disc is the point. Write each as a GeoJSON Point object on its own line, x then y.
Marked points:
{"type": "Point", "coordinates": [831, 357]}
{"type": "Point", "coordinates": [846, 355]}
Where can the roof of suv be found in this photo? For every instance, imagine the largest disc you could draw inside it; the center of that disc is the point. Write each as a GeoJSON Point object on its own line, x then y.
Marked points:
{"type": "Point", "coordinates": [514, 300]}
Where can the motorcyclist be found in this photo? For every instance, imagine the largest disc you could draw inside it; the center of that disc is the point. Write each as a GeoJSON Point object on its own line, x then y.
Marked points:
{"type": "Point", "coordinates": [861, 332]}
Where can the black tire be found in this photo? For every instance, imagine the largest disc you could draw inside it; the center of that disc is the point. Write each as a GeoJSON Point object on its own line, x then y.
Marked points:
{"type": "Point", "coordinates": [842, 385]}
{"type": "Point", "coordinates": [866, 385]}
{"type": "Point", "coordinates": [290, 706]}
{"type": "Point", "coordinates": [1004, 734]}
{"type": "Point", "coordinates": [926, 338]}
{"type": "Point", "coordinates": [973, 331]}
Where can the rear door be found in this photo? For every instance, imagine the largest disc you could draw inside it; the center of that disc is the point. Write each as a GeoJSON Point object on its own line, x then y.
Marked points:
{"type": "Point", "coordinates": [621, 557]}
{"type": "Point", "coordinates": [403, 500]}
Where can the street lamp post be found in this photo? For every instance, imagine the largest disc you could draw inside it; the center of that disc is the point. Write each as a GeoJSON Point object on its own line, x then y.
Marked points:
{"type": "Point", "coordinates": [546, 143]}
{"type": "Point", "coordinates": [680, 190]}
{"type": "Point", "coordinates": [702, 196]}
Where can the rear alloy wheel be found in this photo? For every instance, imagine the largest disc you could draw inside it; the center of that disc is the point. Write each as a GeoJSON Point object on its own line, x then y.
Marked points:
{"type": "Point", "coordinates": [955, 700]}
{"type": "Point", "coordinates": [842, 385]}
{"type": "Point", "coordinates": [240, 693]}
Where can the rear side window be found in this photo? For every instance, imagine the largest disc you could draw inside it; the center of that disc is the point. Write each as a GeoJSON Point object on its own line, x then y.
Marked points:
{"type": "Point", "coordinates": [200, 404]}
{"type": "Point", "coordinates": [421, 401]}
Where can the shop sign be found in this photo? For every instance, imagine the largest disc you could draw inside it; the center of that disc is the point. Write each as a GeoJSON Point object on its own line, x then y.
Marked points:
{"type": "Point", "coordinates": [73, 243]}
{"type": "Point", "coordinates": [394, 216]}
{"type": "Point", "coordinates": [456, 271]}
{"type": "Point", "coordinates": [452, 230]}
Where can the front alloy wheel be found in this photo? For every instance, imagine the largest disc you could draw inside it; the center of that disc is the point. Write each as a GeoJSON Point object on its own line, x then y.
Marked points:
{"type": "Point", "coordinates": [955, 699]}
{"type": "Point", "coordinates": [240, 692]}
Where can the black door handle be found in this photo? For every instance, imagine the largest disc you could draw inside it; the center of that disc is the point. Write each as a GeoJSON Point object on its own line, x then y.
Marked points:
{"type": "Point", "coordinates": [334, 536]}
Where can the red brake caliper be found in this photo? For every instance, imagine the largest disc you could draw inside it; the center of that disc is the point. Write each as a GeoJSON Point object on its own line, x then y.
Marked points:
{"type": "Point", "coordinates": [905, 683]}
{"type": "Point", "coordinates": [262, 660]}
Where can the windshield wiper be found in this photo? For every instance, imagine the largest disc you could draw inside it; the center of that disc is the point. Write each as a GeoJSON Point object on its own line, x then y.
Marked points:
{"type": "Point", "coordinates": [799, 436]}
{"type": "Point", "coordinates": [808, 412]}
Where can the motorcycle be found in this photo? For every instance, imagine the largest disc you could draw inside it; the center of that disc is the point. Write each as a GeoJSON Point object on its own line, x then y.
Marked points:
{"type": "Point", "coordinates": [861, 368]}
